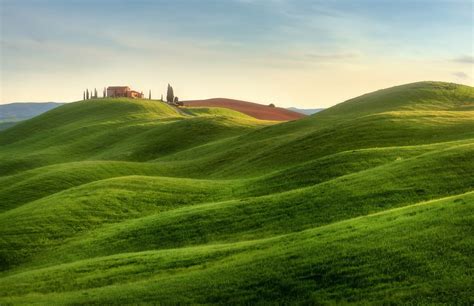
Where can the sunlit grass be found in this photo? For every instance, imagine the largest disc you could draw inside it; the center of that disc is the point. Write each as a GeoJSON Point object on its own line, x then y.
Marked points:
{"type": "Point", "coordinates": [127, 201]}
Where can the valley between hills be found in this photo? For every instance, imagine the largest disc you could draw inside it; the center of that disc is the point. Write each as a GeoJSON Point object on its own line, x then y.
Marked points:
{"type": "Point", "coordinates": [126, 201]}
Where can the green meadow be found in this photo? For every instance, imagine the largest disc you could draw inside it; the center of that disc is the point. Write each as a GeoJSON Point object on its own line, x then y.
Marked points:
{"type": "Point", "coordinates": [125, 201]}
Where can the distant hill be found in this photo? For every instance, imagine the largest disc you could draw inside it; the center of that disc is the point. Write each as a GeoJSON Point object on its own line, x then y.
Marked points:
{"type": "Point", "coordinates": [24, 110]}
{"type": "Point", "coordinates": [259, 111]}
{"type": "Point", "coordinates": [305, 111]}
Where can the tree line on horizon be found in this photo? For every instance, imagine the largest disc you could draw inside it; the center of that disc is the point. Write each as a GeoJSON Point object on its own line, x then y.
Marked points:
{"type": "Point", "coordinates": [170, 97]}
{"type": "Point", "coordinates": [86, 95]}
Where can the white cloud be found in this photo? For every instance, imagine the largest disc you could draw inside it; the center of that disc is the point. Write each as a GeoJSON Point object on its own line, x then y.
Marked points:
{"type": "Point", "coordinates": [461, 75]}
{"type": "Point", "coordinates": [467, 59]}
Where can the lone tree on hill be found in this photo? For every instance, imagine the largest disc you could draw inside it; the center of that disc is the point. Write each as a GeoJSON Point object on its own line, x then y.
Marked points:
{"type": "Point", "coordinates": [149, 94]}
{"type": "Point", "coordinates": [169, 94]}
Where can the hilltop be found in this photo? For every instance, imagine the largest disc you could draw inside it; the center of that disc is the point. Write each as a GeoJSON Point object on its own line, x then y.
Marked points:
{"type": "Point", "coordinates": [421, 96]}
{"type": "Point", "coordinates": [129, 200]}
{"type": "Point", "coordinates": [258, 111]}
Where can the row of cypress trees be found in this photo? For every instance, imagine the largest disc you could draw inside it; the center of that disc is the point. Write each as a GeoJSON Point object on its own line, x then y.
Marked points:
{"type": "Point", "coordinates": [86, 95]}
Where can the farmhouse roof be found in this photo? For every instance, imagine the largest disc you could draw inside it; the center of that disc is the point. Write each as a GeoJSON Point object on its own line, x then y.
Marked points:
{"type": "Point", "coordinates": [118, 87]}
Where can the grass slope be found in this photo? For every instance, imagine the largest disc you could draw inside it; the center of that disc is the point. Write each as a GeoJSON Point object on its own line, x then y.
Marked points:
{"type": "Point", "coordinates": [414, 254]}
{"type": "Point", "coordinates": [118, 129]}
{"type": "Point", "coordinates": [126, 201]}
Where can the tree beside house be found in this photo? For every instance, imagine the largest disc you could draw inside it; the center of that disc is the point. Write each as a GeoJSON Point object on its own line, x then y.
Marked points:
{"type": "Point", "coordinates": [169, 94]}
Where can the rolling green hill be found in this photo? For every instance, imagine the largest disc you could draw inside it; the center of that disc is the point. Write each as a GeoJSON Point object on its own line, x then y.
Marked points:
{"type": "Point", "coordinates": [127, 201]}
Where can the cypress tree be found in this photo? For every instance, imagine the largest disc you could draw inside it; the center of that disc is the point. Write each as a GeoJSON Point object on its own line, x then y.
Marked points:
{"type": "Point", "coordinates": [170, 94]}
{"type": "Point", "coordinates": [161, 98]}
{"type": "Point", "coordinates": [87, 94]}
{"type": "Point", "coordinates": [95, 93]}
{"type": "Point", "coordinates": [83, 95]}
{"type": "Point", "coordinates": [149, 94]}
{"type": "Point", "coordinates": [104, 93]}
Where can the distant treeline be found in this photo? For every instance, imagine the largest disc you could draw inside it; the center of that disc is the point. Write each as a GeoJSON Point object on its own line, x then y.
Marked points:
{"type": "Point", "coordinates": [170, 97]}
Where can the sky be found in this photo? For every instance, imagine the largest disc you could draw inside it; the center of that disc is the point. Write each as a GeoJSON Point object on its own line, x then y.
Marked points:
{"type": "Point", "coordinates": [303, 53]}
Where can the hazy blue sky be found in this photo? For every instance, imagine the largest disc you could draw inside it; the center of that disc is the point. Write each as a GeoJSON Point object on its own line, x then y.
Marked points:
{"type": "Point", "coordinates": [303, 53]}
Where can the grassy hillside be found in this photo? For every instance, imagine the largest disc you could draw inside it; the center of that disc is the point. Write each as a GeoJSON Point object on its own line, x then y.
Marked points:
{"type": "Point", "coordinates": [7, 124]}
{"type": "Point", "coordinates": [415, 254]}
{"type": "Point", "coordinates": [126, 201]}
{"type": "Point", "coordinates": [113, 129]}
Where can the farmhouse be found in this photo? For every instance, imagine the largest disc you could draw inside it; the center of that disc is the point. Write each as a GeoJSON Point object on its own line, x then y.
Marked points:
{"type": "Point", "coordinates": [122, 91]}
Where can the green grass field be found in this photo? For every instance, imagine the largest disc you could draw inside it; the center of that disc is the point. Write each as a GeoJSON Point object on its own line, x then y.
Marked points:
{"type": "Point", "coordinates": [133, 201]}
